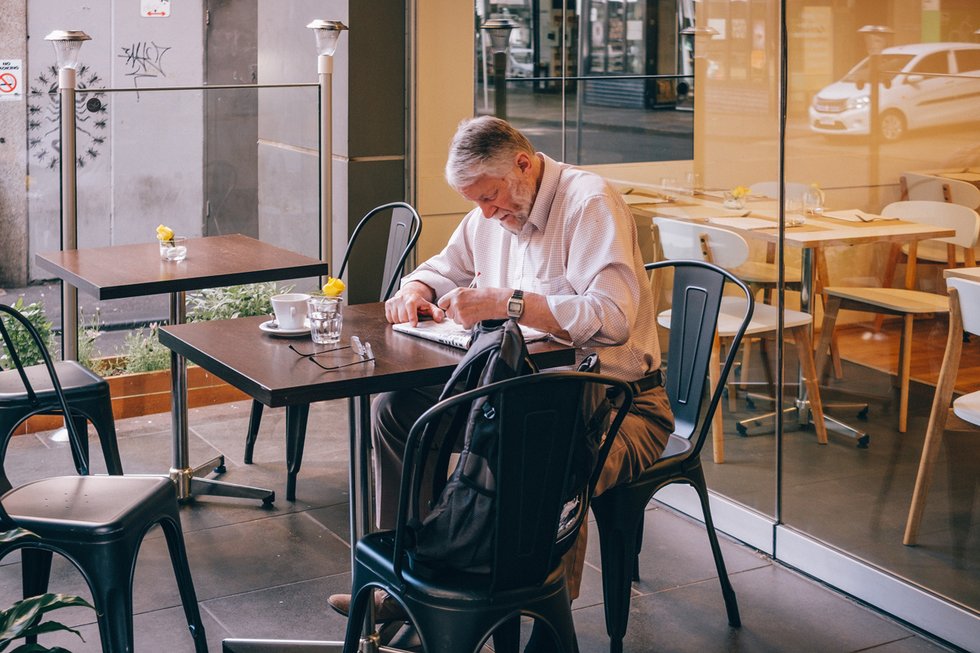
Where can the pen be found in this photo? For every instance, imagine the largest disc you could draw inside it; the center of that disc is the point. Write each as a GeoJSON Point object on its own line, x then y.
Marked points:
{"type": "Point", "coordinates": [473, 283]}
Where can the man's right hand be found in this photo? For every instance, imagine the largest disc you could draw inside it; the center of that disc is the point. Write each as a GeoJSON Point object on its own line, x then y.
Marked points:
{"type": "Point", "coordinates": [410, 303]}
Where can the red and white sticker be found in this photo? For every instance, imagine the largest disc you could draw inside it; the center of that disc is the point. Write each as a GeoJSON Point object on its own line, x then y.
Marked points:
{"type": "Point", "coordinates": [11, 80]}
{"type": "Point", "coordinates": [154, 8]}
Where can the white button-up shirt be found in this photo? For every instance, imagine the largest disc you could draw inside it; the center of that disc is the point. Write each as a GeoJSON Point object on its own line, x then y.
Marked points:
{"type": "Point", "coordinates": [579, 249]}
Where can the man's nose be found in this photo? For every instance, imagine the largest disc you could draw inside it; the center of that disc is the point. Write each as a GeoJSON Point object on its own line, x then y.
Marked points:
{"type": "Point", "coordinates": [489, 210]}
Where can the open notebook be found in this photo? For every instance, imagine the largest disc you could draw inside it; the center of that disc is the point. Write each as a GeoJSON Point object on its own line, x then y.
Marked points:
{"type": "Point", "coordinates": [450, 333]}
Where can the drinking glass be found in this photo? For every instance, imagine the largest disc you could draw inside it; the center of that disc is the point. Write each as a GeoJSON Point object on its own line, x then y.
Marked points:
{"type": "Point", "coordinates": [326, 315]}
{"type": "Point", "coordinates": [174, 249]}
{"type": "Point", "coordinates": [794, 212]}
{"type": "Point", "coordinates": [693, 183]}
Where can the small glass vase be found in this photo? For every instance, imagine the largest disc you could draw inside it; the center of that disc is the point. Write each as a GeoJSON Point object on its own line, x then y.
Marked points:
{"type": "Point", "coordinates": [733, 202]}
{"type": "Point", "coordinates": [174, 250]}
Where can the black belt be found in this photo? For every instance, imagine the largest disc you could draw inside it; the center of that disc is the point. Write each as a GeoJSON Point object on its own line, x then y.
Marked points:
{"type": "Point", "coordinates": [654, 379]}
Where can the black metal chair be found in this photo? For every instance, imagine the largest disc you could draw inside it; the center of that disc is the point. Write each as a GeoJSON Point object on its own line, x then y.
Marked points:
{"type": "Point", "coordinates": [455, 611]}
{"type": "Point", "coordinates": [404, 229]}
{"type": "Point", "coordinates": [27, 390]}
{"type": "Point", "coordinates": [96, 522]}
{"type": "Point", "coordinates": [619, 511]}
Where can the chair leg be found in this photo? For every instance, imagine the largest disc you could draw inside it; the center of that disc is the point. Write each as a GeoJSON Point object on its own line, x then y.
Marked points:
{"type": "Point", "coordinates": [619, 519]}
{"type": "Point", "coordinates": [296, 418]}
{"type": "Point", "coordinates": [717, 425]}
{"type": "Point", "coordinates": [185, 584]}
{"type": "Point", "coordinates": [507, 638]}
{"type": "Point", "coordinates": [831, 309]}
{"type": "Point", "coordinates": [254, 420]}
{"type": "Point", "coordinates": [937, 420]}
{"type": "Point", "coordinates": [35, 574]}
{"type": "Point", "coordinates": [79, 450]}
{"type": "Point", "coordinates": [696, 477]}
{"type": "Point", "coordinates": [110, 579]}
{"type": "Point", "coordinates": [804, 349]}
{"type": "Point", "coordinates": [101, 415]}
{"type": "Point", "coordinates": [904, 372]}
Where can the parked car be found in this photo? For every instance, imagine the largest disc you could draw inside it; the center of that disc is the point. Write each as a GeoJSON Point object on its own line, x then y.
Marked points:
{"type": "Point", "coordinates": [922, 85]}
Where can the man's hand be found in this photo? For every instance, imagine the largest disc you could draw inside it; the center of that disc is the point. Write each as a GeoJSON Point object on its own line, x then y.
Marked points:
{"type": "Point", "coordinates": [467, 306]}
{"type": "Point", "coordinates": [411, 302]}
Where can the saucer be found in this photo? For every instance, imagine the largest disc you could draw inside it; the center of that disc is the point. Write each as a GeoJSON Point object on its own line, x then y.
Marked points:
{"type": "Point", "coordinates": [269, 328]}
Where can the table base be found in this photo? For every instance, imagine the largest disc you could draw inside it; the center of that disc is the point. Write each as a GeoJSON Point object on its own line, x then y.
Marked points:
{"type": "Point", "coordinates": [190, 483]}
{"type": "Point", "coordinates": [801, 409]}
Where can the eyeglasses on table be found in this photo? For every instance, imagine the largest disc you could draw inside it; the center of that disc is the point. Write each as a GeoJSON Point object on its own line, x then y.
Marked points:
{"type": "Point", "coordinates": [363, 351]}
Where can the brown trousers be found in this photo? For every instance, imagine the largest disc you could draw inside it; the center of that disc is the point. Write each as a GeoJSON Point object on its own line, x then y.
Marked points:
{"type": "Point", "coordinates": [642, 438]}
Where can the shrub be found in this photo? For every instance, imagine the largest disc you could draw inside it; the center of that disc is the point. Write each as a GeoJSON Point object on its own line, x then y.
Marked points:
{"type": "Point", "coordinates": [232, 301]}
{"type": "Point", "coordinates": [144, 353]}
{"type": "Point", "coordinates": [23, 343]}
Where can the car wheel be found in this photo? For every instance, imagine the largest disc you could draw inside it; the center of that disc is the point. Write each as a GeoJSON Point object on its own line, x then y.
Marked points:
{"type": "Point", "coordinates": [891, 125]}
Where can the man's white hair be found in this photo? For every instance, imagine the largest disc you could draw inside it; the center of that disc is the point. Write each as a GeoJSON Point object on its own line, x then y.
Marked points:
{"type": "Point", "coordinates": [483, 146]}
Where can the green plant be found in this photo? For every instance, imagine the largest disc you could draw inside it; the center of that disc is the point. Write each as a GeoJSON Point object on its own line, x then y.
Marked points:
{"type": "Point", "coordinates": [88, 354]}
{"type": "Point", "coordinates": [144, 353]}
{"type": "Point", "coordinates": [23, 343]}
{"type": "Point", "coordinates": [232, 301]}
{"type": "Point", "coordinates": [23, 618]}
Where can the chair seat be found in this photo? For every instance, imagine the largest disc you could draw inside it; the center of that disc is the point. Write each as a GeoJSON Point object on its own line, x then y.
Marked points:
{"type": "Point", "coordinates": [764, 319]}
{"type": "Point", "coordinates": [967, 408]}
{"type": "Point", "coordinates": [79, 507]}
{"type": "Point", "coordinates": [760, 272]}
{"type": "Point", "coordinates": [897, 300]}
{"type": "Point", "coordinates": [74, 378]}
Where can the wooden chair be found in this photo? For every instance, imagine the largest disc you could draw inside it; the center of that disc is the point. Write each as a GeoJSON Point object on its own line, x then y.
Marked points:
{"type": "Point", "coordinates": [903, 302]}
{"type": "Point", "coordinates": [679, 239]}
{"type": "Point", "coordinates": [964, 315]}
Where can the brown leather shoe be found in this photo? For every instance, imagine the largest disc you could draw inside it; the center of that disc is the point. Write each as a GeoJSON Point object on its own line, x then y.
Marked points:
{"type": "Point", "coordinates": [385, 607]}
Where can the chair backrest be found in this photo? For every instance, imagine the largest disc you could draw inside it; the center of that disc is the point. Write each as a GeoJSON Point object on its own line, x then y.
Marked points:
{"type": "Point", "coordinates": [917, 186]}
{"type": "Point", "coordinates": [969, 292]}
{"type": "Point", "coordinates": [695, 306]}
{"type": "Point", "coordinates": [538, 414]}
{"type": "Point", "coordinates": [963, 219]}
{"type": "Point", "coordinates": [15, 356]}
{"type": "Point", "coordinates": [403, 229]}
{"type": "Point", "coordinates": [794, 190]}
{"type": "Point", "coordinates": [683, 239]}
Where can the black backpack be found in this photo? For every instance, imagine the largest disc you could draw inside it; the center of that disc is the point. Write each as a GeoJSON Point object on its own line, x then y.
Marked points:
{"type": "Point", "coordinates": [458, 532]}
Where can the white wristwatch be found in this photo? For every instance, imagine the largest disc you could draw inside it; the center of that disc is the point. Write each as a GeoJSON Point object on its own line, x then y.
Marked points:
{"type": "Point", "coordinates": [515, 305]}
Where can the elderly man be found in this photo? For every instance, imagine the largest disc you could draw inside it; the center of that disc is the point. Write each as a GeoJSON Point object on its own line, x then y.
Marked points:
{"type": "Point", "coordinates": [556, 248]}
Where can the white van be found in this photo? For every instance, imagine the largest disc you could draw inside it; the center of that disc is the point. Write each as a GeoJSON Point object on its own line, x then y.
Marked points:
{"type": "Point", "coordinates": [922, 85]}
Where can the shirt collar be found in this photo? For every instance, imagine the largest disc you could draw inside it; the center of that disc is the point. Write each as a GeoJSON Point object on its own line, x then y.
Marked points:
{"type": "Point", "coordinates": [546, 193]}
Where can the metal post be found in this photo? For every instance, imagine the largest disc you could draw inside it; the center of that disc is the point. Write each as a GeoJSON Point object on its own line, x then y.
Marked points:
{"type": "Point", "coordinates": [500, 84]}
{"type": "Point", "coordinates": [69, 208]}
{"type": "Point", "coordinates": [874, 64]}
{"type": "Point", "coordinates": [325, 73]}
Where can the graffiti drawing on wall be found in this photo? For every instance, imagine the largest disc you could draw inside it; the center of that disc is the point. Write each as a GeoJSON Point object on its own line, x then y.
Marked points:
{"type": "Point", "coordinates": [43, 118]}
{"type": "Point", "coordinates": [143, 59]}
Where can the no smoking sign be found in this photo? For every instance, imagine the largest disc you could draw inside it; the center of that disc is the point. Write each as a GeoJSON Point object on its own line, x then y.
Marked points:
{"type": "Point", "coordinates": [11, 86]}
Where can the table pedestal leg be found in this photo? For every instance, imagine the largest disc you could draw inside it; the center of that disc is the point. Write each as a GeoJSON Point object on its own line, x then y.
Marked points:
{"type": "Point", "coordinates": [185, 477]}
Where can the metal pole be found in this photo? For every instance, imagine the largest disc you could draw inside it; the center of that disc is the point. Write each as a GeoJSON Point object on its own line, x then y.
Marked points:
{"type": "Point", "coordinates": [69, 207]}
{"type": "Point", "coordinates": [500, 85]}
{"type": "Point", "coordinates": [325, 72]}
{"type": "Point", "coordinates": [873, 74]}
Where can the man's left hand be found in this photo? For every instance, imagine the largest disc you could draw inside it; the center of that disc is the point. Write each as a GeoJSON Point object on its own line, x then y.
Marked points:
{"type": "Point", "coordinates": [467, 306]}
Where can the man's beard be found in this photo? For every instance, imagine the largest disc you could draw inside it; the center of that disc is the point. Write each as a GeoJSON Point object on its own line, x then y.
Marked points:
{"type": "Point", "coordinates": [523, 197]}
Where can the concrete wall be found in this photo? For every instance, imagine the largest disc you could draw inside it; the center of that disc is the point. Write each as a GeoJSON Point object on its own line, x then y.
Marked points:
{"type": "Point", "coordinates": [140, 155]}
{"type": "Point", "coordinates": [13, 152]}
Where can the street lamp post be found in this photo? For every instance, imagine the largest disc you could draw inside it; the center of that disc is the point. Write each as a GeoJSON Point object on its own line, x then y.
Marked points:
{"type": "Point", "coordinates": [875, 39]}
{"type": "Point", "coordinates": [67, 45]}
{"type": "Point", "coordinates": [499, 31]}
{"type": "Point", "coordinates": [327, 34]}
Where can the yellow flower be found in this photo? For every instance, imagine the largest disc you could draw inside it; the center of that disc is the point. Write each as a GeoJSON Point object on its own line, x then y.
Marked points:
{"type": "Point", "coordinates": [739, 192]}
{"type": "Point", "coordinates": [165, 233]}
{"type": "Point", "coordinates": [333, 287]}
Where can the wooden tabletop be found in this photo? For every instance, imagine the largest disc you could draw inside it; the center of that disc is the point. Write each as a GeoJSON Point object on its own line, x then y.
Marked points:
{"type": "Point", "coordinates": [971, 274]}
{"type": "Point", "coordinates": [263, 366]}
{"type": "Point", "coordinates": [212, 262]}
{"type": "Point", "coordinates": [817, 231]}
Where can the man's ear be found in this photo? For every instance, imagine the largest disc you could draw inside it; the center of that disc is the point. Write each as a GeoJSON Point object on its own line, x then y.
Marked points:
{"type": "Point", "coordinates": [523, 161]}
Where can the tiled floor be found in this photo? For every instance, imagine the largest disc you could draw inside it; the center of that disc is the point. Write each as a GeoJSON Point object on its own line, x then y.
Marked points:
{"type": "Point", "coordinates": [265, 573]}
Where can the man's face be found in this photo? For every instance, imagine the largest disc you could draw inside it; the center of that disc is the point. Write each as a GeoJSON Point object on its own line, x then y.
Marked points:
{"type": "Point", "coordinates": [505, 199]}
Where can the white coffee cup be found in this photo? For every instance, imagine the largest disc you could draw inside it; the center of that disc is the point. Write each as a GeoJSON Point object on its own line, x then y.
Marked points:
{"type": "Point", "coordinates": [290, 309]}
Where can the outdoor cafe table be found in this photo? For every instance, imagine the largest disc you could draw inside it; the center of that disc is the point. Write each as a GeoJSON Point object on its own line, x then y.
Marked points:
{"type": "Point", "coordinates": [811, 238]}
{"type": "Point", "coordinates": [121, 271]}
{"type": "Point", "coordinates": [264, 367]}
